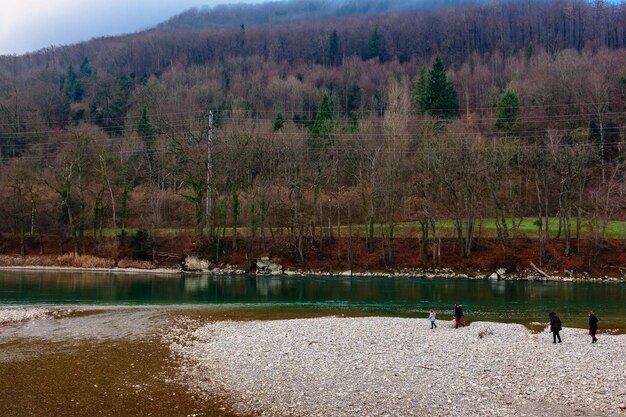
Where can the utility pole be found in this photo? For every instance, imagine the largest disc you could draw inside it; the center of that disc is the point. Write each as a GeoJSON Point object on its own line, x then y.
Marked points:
{"type": "Point", "coordinates": [208, 175]}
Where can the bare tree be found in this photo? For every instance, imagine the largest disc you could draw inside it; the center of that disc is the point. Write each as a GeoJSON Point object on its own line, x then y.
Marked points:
{"type": "Point", "coordinates": [69, 175]}
{"type": "Point", "coordinates": [604, 202]}
{"type": "Point", "coordinates": [457, 160]}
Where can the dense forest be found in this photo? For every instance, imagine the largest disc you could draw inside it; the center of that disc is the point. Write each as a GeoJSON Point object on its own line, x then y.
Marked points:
{"type": "Point", "coordinates": [234, 15]}
{"type": "Point", "coordinates": [502, 111]}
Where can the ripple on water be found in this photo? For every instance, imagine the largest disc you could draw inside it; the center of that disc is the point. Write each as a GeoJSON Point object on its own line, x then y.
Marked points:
{"type": "Point", "coordinates": [16, 315]}
{"type": "Point", "coordinates": [56, 324]}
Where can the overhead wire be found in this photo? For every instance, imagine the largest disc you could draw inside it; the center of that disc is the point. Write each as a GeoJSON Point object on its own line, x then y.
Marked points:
{"type": "Point", "coordinates": [411, 121]}
{"type": "Point", "coordinates": [35, 141]}
{"type": "Point", "coordinates": [30, 157]}
{"type": "Point", "coordinates": [364, 113]}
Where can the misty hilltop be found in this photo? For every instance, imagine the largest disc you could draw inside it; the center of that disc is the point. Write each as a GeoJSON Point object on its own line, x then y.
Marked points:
{"type": "Point", "coordinates": [278, 12]}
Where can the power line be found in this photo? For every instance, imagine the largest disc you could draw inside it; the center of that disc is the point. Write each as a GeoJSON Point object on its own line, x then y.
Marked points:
{"type": "Point", "coordinates": [37, 134]}
{"type": "Point", "coordinates": [312, 151]}
{"type": "Point", "coordinates": [363, 113]}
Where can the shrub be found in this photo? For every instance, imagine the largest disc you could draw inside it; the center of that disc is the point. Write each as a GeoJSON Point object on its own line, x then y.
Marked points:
{"type": "Point", "coordinates": [142, 245]}
{"type": "Point", "coordinates": [84, 261]}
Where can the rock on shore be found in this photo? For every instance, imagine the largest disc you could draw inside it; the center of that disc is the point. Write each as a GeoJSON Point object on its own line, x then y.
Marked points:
{"type": "Point", "coordinates": [399, 367]}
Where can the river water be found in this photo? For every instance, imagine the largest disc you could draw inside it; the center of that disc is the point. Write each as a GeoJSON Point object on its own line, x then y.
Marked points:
{"type": "Point", "coordinates": [524, 302]}
{"type": "Point", "coordinates": [92, 344]}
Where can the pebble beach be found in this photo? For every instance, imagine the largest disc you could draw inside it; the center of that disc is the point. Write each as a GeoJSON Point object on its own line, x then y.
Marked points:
{"type": "Point", "coordinates": [378, 366]}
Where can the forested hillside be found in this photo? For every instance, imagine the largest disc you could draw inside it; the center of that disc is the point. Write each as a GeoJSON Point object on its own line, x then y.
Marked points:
{"type": "Point", "coordinates": [235, 15]}
{"type": "Point", "coordinates": [323, 129]}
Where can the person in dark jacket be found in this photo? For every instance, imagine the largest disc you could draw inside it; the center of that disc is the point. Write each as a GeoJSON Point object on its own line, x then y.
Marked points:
{"type": "Point", "coordinates": [593, 326]}
{"type": "Point", "coordinates": [555, 326]}
{"type": "Point", "coordinates": [458, 315]}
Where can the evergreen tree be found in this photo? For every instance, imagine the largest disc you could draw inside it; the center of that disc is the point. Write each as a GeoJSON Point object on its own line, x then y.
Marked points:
{"type": "Point", "coordinates": [85, 68]}
{"type": "Point", "coordinates": [441, 98]}
{"type": "Point", "coordinates": [109, 105]}
{"type": "Point", "coordinates": [142, 245]}
{"type": "Point", "coordinates": [79, 92]}
{"type": "Point", "coordinates": [354, 123]}
{"type": "Point", "coordinates": [420, 92]}
{"type": "Point", "coordinates": [353, 99]}
{"type": "Point", "coordinates": [333, 47]}
{"type": "Point", "coordinates": [241, 37]}
{"type": "Point", "coordinates": [373, 46]}
{"type": "Point", "coordinates": [529, 52]}
{"type": "Point", "coordinates": [279, 121]}
{"type": "Point", "coordinates": [508, 112]}
{"type": "Point", "coordinates": [145, 130]}
{"type": "Point", "coordinates": [68, 82]}
{"type": "Point", "coordinates": [324, 124]}
{"type": "Point", "coordinates": [71, 87]}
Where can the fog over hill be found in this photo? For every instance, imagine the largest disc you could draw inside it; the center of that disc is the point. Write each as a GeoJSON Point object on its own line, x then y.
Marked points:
{"type": "Point", "coordinates": [234, 15]}
{"type": "Point", "coordinates": [30, 25]}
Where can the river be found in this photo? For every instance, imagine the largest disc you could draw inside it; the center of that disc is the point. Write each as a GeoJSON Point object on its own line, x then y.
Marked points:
{"type": "Point", "coordinates": [524, 302]}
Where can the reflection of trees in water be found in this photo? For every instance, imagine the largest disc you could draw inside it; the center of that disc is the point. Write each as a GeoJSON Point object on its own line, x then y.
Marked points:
{"type": "Point", "coordinates": [481, 298]}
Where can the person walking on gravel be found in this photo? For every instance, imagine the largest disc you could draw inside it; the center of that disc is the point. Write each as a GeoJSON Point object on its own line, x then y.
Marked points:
{"type": "Point", "coordinates": [431, 317]}
{"type": "Point", "coordinates": [555, 326]}
{"type": "Point", "coordinates": [458, 315]}
{"type": "Point", "coordinates": [593, 326]}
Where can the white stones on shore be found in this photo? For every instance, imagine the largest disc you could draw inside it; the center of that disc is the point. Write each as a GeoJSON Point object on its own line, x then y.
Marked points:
{"type": "Point", "coordinates": [441, 273]}
{"type": "Point", "coordinates": [264, 266]}
{"type": "Point", "coordinates": [193, 263]}
{"type": "Point", "coordinates": [399, 367]}
{"type": "Point", "coordinates": [196, 265]}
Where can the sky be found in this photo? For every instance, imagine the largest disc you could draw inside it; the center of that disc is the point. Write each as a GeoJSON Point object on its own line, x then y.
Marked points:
{"type": "Point", "coordinates": [30, 25]}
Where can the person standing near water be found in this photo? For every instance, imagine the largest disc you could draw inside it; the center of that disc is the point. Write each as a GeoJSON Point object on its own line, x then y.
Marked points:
{"type": "Point", "coordinates": [555, 326]}
{"type": "Point", "coordinates": [458, 315]}
{"type": "Point", "coordinates": [593, 326]}
{"type": "Point", "coordinates": [431, 316]}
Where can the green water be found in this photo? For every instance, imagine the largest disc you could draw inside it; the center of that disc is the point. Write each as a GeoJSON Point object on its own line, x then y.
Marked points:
{"type": "Point", "coordinates": [506, 301]}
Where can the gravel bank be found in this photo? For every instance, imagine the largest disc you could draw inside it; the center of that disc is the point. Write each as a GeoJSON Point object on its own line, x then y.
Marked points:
{"type": "Point", "coordinates": [399, 367]}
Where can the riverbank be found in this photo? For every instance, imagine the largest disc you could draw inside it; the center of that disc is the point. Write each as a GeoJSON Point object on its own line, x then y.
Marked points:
{"type": "Point", "coordinates": [394, 366]}
{"type": "Point", "coordinates": [338, 256]}
{"type": "Point", "coordinates": [266, 267]}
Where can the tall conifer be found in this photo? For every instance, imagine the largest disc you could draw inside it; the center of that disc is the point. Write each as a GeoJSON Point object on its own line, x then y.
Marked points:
{"type": "Point", "coordinates": [507, 113]}
{"type": "Point", "coordinates": [441, 97]}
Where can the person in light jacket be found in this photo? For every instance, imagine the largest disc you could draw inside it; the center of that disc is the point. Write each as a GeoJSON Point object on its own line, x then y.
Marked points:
{"type": "Point", "coordinates": [555, 326]}
{"type": "Point", "coordinates": [593, 326]}
{"type": "Point", "coordinates": [431, 317]}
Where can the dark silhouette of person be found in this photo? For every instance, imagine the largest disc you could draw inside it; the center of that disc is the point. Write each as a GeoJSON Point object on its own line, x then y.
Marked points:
{"type": "Point", "coordinates": [555, 326]}
{"type": "Point", "coordinates": [593, 326]}
{"type": "Point", "coordinates": [458, 315]}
